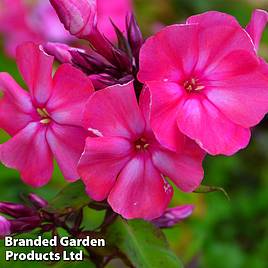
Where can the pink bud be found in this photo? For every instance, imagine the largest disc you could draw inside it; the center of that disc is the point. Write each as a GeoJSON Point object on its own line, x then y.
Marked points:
{"type": "Point", "coordinates": [78, 17]}
{"type": "Point", "coordinates": [37, 201]}
{"type": "Point", "coordinates": [61, 51]}
{"type": "Point", "coordinates": [173, 215]}
{"type": "Point", "coordinates": [4, 227]}
{"type": "Point", "coordinates": [15, 210]}
{"type": "Point", "coordinates": [25, 224]}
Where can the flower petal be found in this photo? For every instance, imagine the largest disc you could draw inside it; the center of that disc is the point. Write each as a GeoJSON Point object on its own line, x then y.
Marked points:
{"type": "Point", "coordinates": [244, 100]}
{"type": "Point", "coordinates": [217, 42]}
{"type": "Point", "coordinates": [36, 68]}
{"type": "Point", "coordinates": [184, 169]}
{"type": "Point", "coordinates": [140, 191]}
{"type": "Point", "coordinates": [114, 111]}
{"type": "Point", "coordinates": [115, 10]}
{"type": "Point", "coordinates": [176, 47]}
{"type": "Point", "coordinates": [71, 91]}
{"type": "Point", "coordinates": [212, 18]}
{"type": "Point", "coordinates": [101, 162]}
{"type": "Point", "coordinates": [29, 153]}
{"type": "Point", "coordinates": [15, 106]}
{"type": "Point", "coordinates": [145, 104]}
{"type": "Point", "coordinates": [67, 144]}
{"type": "Point", "coordinates": [165, 100]}
{"type": "Point", "coordinates": [256, 26]}
{"type": "Point", "coordinates": [200, 120]}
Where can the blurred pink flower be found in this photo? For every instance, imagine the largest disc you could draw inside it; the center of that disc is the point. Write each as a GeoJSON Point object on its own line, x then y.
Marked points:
{"type": "Point", "coordinates": [206, 81]}
{"type": "Point", "coordinates": [37, 22]}
{"type": "Point", "coordinates": [81, 18]}
{"type": "Point", "coordinates": [115, 10]}
{"type": "Point", "coordinates": [125, 163]}
{"type": "Point", "coordinates": [78, 17]}
{"type": "Point", "coordinates": [46, 121]}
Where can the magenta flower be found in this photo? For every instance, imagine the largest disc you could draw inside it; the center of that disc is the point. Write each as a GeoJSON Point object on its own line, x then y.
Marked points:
{"type": "Point", "coordinates": [82, 17]}
{"type": "Point", "coordinates": [21, 22]}
{"type": "Point", "coordinates": [46, 121]}
{"type": "Point", "coordinates": [4, 227]}
{"type": "Point", "coordinates": [206, 81]}
{"type": "Point", "coordinates": [125, 163]}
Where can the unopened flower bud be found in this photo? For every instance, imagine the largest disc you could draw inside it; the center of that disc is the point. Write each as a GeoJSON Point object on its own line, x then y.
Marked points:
{"type": "Point", "coordinates": [4, 227]}
{"type": "Point", "coordinates": [134, 34]}
{"type": "Point", "coordinates": [173, 215]}
{"type": "Point", "coordinates": [37, 201]}
{"type": "Point", "coordinates": [25, 224]}
{"type": "Point", "coordinates": [15, 210]}
{"type": "Point", "coordinates": [78, 17]}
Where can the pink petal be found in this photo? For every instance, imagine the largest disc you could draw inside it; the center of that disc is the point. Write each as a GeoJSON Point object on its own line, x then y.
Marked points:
{"type": "Point", "coordinates": [140, 191]}
{"type": "Point", "coordinates": [101, 163]}
{"type": "Point", "coordinates": [67, 144]}
{"type": "Point", "coordinates": [213, 18]}
{"type": "Point", "coordinates": [185, 170]}
{"type": "Point", "coordinates": [244, 100]}
{"type": "Point", "coordinates": [15, 93]}
{"type": "Point", "coordinates": [236, 63]}
{"type": "Point", "coordinates": [145, 103]}
{"type": "Point", "coordinates": [218, 42]}
{"type": "Point", "coordinates": [115, 10]}
{"type": "Point", "coordinates": [36, 68]}
{"type": "Point", "coordinates": [165, 100]}
{"type": "Point", "coordinates": [114, 111]}
{"type": "Point", "coordinates": [16, 105]}
{"type": "Point", "coordinates": [200, 120]}
{"type": "Point", "coordinates": [176, 47]}
{"type": "Point", "coordinates": [29, 153]}
{"type": "Point", "coordinates": [256, 26]}
{"type": "Point", "coordinates": [71, 91]}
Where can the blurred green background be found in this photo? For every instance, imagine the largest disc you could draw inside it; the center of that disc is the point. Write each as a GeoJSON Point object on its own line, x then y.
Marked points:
{"type": "Point", "coordinates": [220, 233]}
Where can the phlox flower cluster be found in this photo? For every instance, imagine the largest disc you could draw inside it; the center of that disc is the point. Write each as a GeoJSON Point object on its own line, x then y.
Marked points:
{"type": "Point", "coordinates": [132, 116]}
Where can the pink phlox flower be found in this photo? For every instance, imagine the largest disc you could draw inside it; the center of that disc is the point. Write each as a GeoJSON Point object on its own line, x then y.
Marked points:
{"type": "Point", "coordinates": [37, 22]}
{"type": "Point", "coordinates": [45, 122]}
{"type": "Point", "coordinates": [125, 163]}
{"type": "Point", "coordinates": [206, 82]}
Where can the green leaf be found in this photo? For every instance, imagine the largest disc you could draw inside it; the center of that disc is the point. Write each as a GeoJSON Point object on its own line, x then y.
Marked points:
{"type": "Point", "coordinates": [203, 189]}
{"type": "Point", "coordinates": [142, 243]}
{"type": "Point", "coordinates": [71, 198]}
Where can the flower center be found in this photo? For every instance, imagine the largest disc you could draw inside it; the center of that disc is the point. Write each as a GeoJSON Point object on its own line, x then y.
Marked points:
{"type": "Point", "coordinates": [141, 144]}
{"type": "Point", "coordinates": [192, 85]}
{"type": "Point", "coordinates": [43, 113]}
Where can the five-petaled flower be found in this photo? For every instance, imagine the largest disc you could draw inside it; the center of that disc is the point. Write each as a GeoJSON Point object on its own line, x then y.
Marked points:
{"type": "Point", "coordinates": [125, 163]}
{"type": "Point", "coordinates": [206, 81]}
{"type": "Point", "coordinates": [47, 120]}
